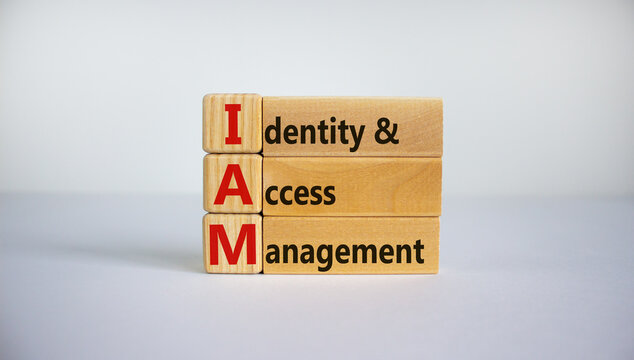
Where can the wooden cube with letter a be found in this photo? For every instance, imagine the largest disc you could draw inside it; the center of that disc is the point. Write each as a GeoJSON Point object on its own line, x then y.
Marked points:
{"type": "Point", "coordinates": [232, 243]}
{"type": "Point", "coordinates": [232, 123]}
{"type": "Point", "coordinates": [232, 183]}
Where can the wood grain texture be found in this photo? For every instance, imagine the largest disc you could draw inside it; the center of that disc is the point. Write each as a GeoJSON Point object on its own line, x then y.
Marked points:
{"type": "Point", "coordinates": [392, 245]}
{"type": "Point", "coordinates": [420, 124]}
{"type": "Point", "coordinates": [216, 123]}
{"type": "Point", "coordinates": [362, 186]}
{"type": "Point", "coordinates": [216, 168]}
{"type": "Point", "coordinates": [232, 225]}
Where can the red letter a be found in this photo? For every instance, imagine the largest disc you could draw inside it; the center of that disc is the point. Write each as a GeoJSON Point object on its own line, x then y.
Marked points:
{"type": "Point", "coordinates": [217, 234]}
{"type": "Point", "coordinates": [233, 170]}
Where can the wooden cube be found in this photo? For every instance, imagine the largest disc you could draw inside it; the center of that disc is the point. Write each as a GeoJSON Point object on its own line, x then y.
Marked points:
{"type": "Point", "coordinates": [345, 186]}
{"type": "Point", "coordinates": [232, 243]}
{"type": "Point", "coordinates": [350, 245]}
{"type": "Point", "coordinates": [232, 183]}
{"type": "Point", "coordinates": [232, 123]}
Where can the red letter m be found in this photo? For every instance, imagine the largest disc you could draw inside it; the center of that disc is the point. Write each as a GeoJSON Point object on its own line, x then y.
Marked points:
{"type": "Point", "coordinates": [217, 234]}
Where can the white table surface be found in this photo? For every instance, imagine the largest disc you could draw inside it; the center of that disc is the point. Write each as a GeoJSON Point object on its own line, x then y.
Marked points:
{"type": "Point", "coordinates": [121, 277]}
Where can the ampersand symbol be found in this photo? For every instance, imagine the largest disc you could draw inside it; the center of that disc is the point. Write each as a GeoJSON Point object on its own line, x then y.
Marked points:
{"type": "Point", "coordinates": [390, 136]}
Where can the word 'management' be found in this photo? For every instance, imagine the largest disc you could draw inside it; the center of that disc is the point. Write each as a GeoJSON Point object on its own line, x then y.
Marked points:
{"type": "Point", "coordinates": [325, 254]}
{"type": "Point", "coordinates": [350, 245]}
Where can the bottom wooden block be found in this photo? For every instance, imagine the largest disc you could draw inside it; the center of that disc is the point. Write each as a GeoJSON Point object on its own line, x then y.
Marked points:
{"type": "Point", "coordinates": [350, 245]}
{"type": "Point", "coordinates": [232, 243]}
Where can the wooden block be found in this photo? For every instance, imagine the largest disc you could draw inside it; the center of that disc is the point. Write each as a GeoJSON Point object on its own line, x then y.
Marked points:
{"type": "Point", "coordinates": [352, 245]}
{"type": "Point", "coordinates": [232, 183]}
{"type": "Point", "coordinates": [343, 186]}
{"type": "Point", "coordinates": [232, 123]}
{"type": "Point", "coordinates": [352, 126]}
{"type": "Point", "coordinates": [232, 243]}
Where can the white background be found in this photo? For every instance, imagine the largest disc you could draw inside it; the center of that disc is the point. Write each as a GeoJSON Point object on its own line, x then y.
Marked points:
{"type": "Point", "coordinates": [106, 96]}
{"type": "Point", "coordinates": [101, 177]}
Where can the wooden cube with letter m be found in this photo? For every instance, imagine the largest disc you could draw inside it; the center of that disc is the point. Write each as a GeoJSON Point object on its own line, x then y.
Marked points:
{"type": "Point", "coordinates": [232, 243]}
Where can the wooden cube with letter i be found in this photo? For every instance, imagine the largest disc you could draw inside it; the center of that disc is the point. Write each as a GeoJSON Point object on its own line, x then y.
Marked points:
{"type": "Point", "coordinates": [232, 123]}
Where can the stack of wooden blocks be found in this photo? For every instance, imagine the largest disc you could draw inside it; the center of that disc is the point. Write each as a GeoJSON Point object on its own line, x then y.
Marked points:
{"type": "Point", "coordinates": [334, 185]}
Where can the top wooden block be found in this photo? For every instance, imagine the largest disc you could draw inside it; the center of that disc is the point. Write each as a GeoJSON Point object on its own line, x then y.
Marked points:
{"type": "Point", "coordinates": [232, 123]}
{"type": "Point", "coordinates": [352, 126]}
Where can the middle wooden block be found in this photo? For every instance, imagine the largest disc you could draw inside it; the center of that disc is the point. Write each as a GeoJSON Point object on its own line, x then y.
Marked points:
{"type": "Point", "coordinates": [339, 186]}
{"type": "Point", "coordinates": [232, 183]}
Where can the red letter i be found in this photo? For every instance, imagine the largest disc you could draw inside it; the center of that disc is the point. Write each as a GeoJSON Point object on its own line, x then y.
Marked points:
{"type": "Point", "coordinates": [233, 137]}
